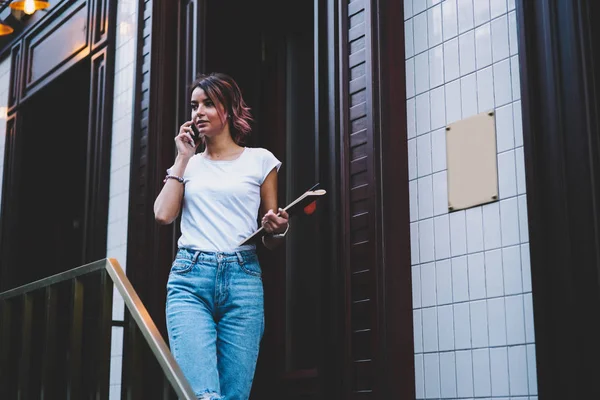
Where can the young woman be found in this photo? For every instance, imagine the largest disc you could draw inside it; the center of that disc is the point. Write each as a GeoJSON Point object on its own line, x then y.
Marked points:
{"type": "Point", "coordinates": [215, 314]}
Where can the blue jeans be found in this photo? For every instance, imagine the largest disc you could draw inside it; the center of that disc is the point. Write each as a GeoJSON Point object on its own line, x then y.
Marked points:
{"type": "Point", "coordinates": [215, 320]}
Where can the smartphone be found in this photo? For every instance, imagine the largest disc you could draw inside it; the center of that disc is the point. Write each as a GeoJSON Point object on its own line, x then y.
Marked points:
{"type": "Point", "coordinates": [196, 135]}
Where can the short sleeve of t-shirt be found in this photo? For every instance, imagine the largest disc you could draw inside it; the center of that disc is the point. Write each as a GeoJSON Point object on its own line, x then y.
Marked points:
{"type": "Point", "coordinates": [269, 161]}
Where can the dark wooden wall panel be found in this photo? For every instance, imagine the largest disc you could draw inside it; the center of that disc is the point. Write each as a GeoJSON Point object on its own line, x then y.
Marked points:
{"type": "Point", "coordinates": [10, 205]}
{"type": "Point", "coordinates": [361, 263]}
{"type": "Point", "coordinates": [376, 246]}
{"type": "Point", "coordinates": [99, 150]}
{"type": "Point", "coordinates": [102, 12]}
{"type": "Point", "coordinates": [560, 90]}
{"type": "Point", "coordinates": [58, 45]}
{"type": "Point", "coordinates": [16, 54]}
{"type": "Point", "coordinates": [54, 46]}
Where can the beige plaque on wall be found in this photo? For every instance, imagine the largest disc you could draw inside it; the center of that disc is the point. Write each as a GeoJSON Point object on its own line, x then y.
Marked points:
{"type": "Point", "coordinates": [472, 161]}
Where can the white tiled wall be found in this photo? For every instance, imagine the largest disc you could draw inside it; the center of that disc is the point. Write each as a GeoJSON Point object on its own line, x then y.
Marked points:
{"type": "Point", "coordinates": [473, 316]}
{"type": "Point", "coordinates": [4, 88]}
{"type": "Point", "coordinates": [120, 167]}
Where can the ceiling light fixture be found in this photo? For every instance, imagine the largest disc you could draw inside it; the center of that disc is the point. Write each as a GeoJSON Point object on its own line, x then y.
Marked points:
{"type": "Point", "coordinates": [5, 29]}
{"type": "Point", "coordinates": [29, 6]}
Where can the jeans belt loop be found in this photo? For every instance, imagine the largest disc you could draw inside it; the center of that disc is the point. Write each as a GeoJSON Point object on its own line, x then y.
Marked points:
{"type": "Point", "coordinates": [240, 257]}
{"type": "Point", "coordinates": [195, 256]}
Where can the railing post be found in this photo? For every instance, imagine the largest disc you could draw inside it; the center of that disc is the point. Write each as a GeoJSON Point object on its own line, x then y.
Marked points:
{"type": "Point", "coordinates": [49, 358]}
{"type": "Point", "coordinates": [75, 335]}
{"type": "Point", "coordinates": [5, 345]}
{"type": "Point", "coordinates": [25, 357]}
{"type": "Point", "coordinates": [104, 332]}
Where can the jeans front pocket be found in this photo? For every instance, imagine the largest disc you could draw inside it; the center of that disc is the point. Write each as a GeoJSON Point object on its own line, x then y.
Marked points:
{"type": "Point", "coordinates": [251, 268]}
{"type": "Point", "coordinates": [182, 266]}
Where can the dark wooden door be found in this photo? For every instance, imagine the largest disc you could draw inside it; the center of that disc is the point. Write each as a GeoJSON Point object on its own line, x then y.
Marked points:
{"type": "Point", "coordinates": [269, 50]}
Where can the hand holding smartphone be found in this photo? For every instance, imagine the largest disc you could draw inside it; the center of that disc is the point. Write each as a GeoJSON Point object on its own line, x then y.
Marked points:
{"type": "Point", "coordinates": [196, 135]}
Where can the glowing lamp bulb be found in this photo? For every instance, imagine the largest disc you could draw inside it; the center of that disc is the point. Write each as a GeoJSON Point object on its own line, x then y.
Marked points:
{"type": "Point", "coordinates": [29, 7]}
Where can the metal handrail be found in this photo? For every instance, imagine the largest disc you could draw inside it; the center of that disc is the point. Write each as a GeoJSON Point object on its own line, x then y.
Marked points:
{"type": "Point", "coordinates": [137, 310]}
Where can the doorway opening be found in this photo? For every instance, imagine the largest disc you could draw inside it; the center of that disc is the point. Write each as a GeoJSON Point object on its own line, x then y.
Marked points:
{"type": "Point", "coordinates": [52, 177]}
{"type": "Point", "coordinates": [268, 48]}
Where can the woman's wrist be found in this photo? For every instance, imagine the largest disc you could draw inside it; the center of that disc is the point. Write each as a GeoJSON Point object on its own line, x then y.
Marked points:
{"type": "Point", "coordinates": [282, 234]}
{"type": "Point", "coordinates": [179, 165]}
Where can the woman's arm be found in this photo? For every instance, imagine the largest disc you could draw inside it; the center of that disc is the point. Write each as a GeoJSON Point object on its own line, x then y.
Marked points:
{"type": "Point", "coordinates": [271, 222]}
{"type": "Point", "coordinates": [168, 202]}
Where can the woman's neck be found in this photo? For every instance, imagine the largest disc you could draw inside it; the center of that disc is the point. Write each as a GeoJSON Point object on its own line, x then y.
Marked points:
{"type": "Point", "coordinates": [221, 147]}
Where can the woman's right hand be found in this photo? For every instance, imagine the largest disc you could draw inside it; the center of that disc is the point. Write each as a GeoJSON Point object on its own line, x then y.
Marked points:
{"type": "Point", "coordinates": [184, 140]}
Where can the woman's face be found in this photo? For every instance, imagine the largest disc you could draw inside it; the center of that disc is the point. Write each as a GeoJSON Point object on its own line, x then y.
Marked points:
{"type": "Point", "coordinates": [206, 114]}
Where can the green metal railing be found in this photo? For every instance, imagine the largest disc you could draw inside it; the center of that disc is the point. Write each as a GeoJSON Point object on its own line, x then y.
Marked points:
{"type": "Point", "coordinates": [55, 335]}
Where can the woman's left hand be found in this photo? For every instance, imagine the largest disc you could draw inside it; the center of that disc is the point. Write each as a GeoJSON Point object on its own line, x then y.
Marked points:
{"type": "Point", "coordinates": [273, 223]}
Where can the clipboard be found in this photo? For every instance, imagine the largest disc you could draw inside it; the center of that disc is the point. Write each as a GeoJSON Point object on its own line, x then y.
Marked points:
{"type": "Point", "coordinates": [296, 206]}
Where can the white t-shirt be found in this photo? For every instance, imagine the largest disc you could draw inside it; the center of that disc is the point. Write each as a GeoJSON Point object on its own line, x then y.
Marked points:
{"type": "Point", "coordinates": [222, 198]}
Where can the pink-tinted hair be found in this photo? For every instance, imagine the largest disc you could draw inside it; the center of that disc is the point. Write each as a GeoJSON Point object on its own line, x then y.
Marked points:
{"type": "Point", "coordinates": [221, 88]}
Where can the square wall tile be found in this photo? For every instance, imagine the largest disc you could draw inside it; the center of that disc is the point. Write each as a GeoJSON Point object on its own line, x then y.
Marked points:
{"type": "Point", "coordinates": [466, 51]}
{"type": "Point", "coordinates": [428, 284]}
{"type": "Point", "coordinates": [468, 94]}
{"type": "Point", "coordinates": [485, 89]}
{"type": "Point", "coordinates": [505, 136]}
{"type": "Point", "coordinates": [438, 150]}
{"type": "Point", "coordinates": [507, 175]}
{"type": "Point", "coordinates": [419, 377]}
{"type": "Point", "coordinates": [446, 328]}
{"type": "Point", "coordinates": [511, 266]}
{"type": "Point", "coordinates": [451, 60]}
{"type": "Point", "coordinates": [497, 8]}
{"type": "Point", "coordinates": [438, 108]}
{"type": "Point", "coordinates": [464, 373]}
{"type": "Point", "coordinates": [502, 83]}
{"type": "Point", "coordinates": [476, 269]}
{"type": "Point", "coordinates": [458, 233]}
{"type": "Point", "coordinates": [474, 224]}
{"type": "Point", "coordinates": [509, 222]}
{"type": "Point", "coordinates": [497, 321]}
{"type": "Point", "coordinates": [432, 375]}
{"type": "Point", "coordinates": [481, 372]}
{"type": "Point", "coordinates": [434, 25]}
{"type": "Point", "coordinates": [483, 46]}
{"type": "Point", "coordinates": [517, 367]}
{"type": "Point", "coordinates": [409, 46]}
{"type": "Point", "coordinates": [448, 375]}
{"type": "Point", "coordinates": [414, 243]}
{"type": "Point", "coordinates": [416, 285]}
{"type": "Point", "coordinates": [425, 188]}
{"type": "Point", "coordinates": [440, 193]}
{"type": "Point", "coordinates": [422, 72]}
{"type": "Point", "coordinates": [515, 320]}
{"type": "Point", "coordinates": [465, 15]}
{"type": "Point", "coordinates": [500, 45]}
{"type": "Point", "coordinates": [499, 369]}
{"type": "Point", "coordinates": [513, 43]}
{"type": "Point", "coordinates": [423, 113]}
{"type": "Point", "coordinates": [481, 11]}
{"type": "Point", "coordinates": [479, 324]}
{"type": "Point", "coordinates": [449, 19]}
{"type": "Point", "coordinates": [442, 237]}
{"type": "Point", "coordinates": [418, 330]}
{"type": "Point", "coordinates": [453, 102]}
{"type": "Point", "coordinates": [462, 326]}
{"type": "Point", "coordinates": [460, 279]}
{"type": "Point", "coordinates": [420, 33]}
{"type": "Point", "coordinates": [426, 241]}
{"type": "Point", "coordinates": [443, 277]}
{"type": "Point", "coordinates": [410, 78]}
{"type": "Point", "coordinates": [492, 236]}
